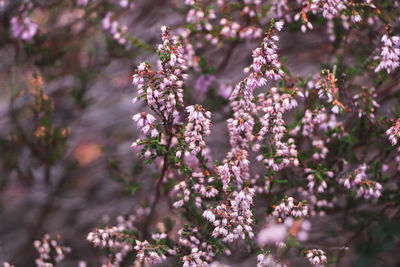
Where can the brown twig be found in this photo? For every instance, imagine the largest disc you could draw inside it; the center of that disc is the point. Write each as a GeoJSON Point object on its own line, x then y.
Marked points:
{"type": "Point", "coordinates": [158, 190]}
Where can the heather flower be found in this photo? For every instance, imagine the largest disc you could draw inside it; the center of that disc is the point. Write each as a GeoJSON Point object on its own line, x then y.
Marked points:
{"type": "Point", "coordinates": [199, 187]}
{"type": "Point", "coordinates": [394, 132]}
{"type": "Point", "coordinates": [225, 91]}
{"type": "Point", "coordinates": [234, 169]}
{"type": "Point", "coordinates": [195, 251]}
{"type": "Point", "coordinates": [118, 239]}
{"type": "Point", "coordinates": [272, 234]}
{"type": "Point", "coordinates": [272, 106]}
{"type": "Point", "coordinates": [330, 7]}
{"type": "Point", "coordinates": [369, 189]}
{"type": "Point", "coordinates": [23, 28]}
{"type": "Point", "coordinates": [209, 215]}
{"type": "Point", "coordinates": [159, 236]}
{"type": "Point", "coordinates": [50, 250]}
{"type": "Point", "coordinates": [110, 24]}
{"type": "Point", "coordinates": [266, 260]}
{"type": "Point", "coordinates": [148, 253]}
{"type": "Point", "coordinates": [365, 103]}
{"type": "Point", "coordinates": [316, 256]}
{"type": "Point", "coordinates": [163, 90]}
{"type": "Point", "coordinates": [198, 126]}
{"type": "Point", "coordinates": [328, 90]}
{"type": "Point", "coordinates": [200, 17]}
{"type": "Point", "coordinates": [229, 28]}
{"type": "Point", "coordinates": [289, 207]}
{"type": "Point", "coordinates": [265, 66]}
{"type": "Point", "coordinates": [322, 150]}
{"type": "Point", "coordinates": [143, 119]}
{"type": "Point", "coordinates": [233, 221]}
{"type": "Point", "coordinates": [219, 198]}
{"type": "Point", "coordinates": [358, 181]}
{"type": "Point", "coordinates": [145, 122]}
{"type": "Point", "coordinates": [203, 83]}
{"type": "Point", "coordinates": [316, 181]}
{"type": "Point", "coordinates": [127, 4]}
{"type": "Point", "coordinates": [107, 22]}
{"type": "Point", "coordinates": [390, 53]}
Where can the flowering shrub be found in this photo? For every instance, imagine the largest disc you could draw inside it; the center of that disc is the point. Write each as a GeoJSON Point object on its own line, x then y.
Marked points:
{"type": "Point", "coordinates": [308, 155]}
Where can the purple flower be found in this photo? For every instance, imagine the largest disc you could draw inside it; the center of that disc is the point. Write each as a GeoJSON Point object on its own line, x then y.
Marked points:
{"type": "Point", "coordinates": [23, 28]}
{"type": "Point", "coordinates": [390, 53]}
{"type": "Point", "coordinates": [204, 82]}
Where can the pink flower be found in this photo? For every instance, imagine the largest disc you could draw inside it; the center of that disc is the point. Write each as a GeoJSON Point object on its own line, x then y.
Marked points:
{"type": "Point", "coordinates": [23, 28]}
{"type": "Point", "coordinates": [272, 234]}
{"type": "Point", "coordinates": [394, 132]}
{"type": "Point", "coordinates": [390, 53]}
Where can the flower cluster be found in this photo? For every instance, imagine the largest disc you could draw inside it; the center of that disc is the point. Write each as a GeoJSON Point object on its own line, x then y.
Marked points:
{"type": "Point", "coordinates": [149, 254]}
{"type": "Point", "coordinates": [394, 132]}
{"type": "Point", "coordinates": [289, 207]}
{"type": "Point", "coordinates": [365, 103]}
{"type": "Point", "coordinates": [50, 250]}
{"type": "Point", "coordinates": [266, 260]}
{"type": "Point", "coordinates": [274, 105]}
{"type": "Point", "coordinates": [330, 8]}
{"type": "Point", "coordinates": [235, 169]}
{"type": "Point", "coordinates": [204, 82]}
{"type": "Point", "coordinates": [199, 17]}
{"type": "Point", "coordinates": [225, 198]}
{"type": "Point", "coordinates": [220, 21]}
{"type": "Point", "coordinates": [119, 33]}
{"type": "Point", "coordinates": [234, 219]}
{"type": "Point", "coordinates": [116, 239]}
{"type": "Point", "coordinates": [162, 90]}
{"type": "Point", "coordinates": [265, 67]}
{"type": "Point", "coordinates": [390, 53]}
{"type": "Point", "coordinates": [358, 180]}
{"type": "Point", "coordinates": [21, 25]}
{"type": "Point", "coordinates": [195, 251]}
{"type": "Point", "coordinates": [327, 89]}
{"type": "Point", "coordinates": [322, 150]}
{"type": "Point", "coordinates": [198, 126]}
{"type": "Point", "coordinates": [122, 239]}
{"type": "Point", "coordinates": [272, 234]}
{"type": "Point", "coordinates": [315, 256]}
{"type": "Point", "coordinates": [347, 11]}
{"type": "Point", "coordinates": [297, 141]}
{"type": "Point", "coordinates": [110, 238]}
{"type": "Point", "coordinates": [198, 186]}
{"type": "Point", "coordinates": [310, 121]}
{"type": "Point", "coordinates": [146, 123]}
{"type": "Point", "coordinates": [127, 4]}
{"type": "Point", "coordinates": [316, 180]}
{"type": "Point", "coordinates": [229, 29]}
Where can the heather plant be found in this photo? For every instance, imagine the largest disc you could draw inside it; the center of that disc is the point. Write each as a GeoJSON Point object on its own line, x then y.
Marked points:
{"type": "Point", "coordinates": [309, 156]}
